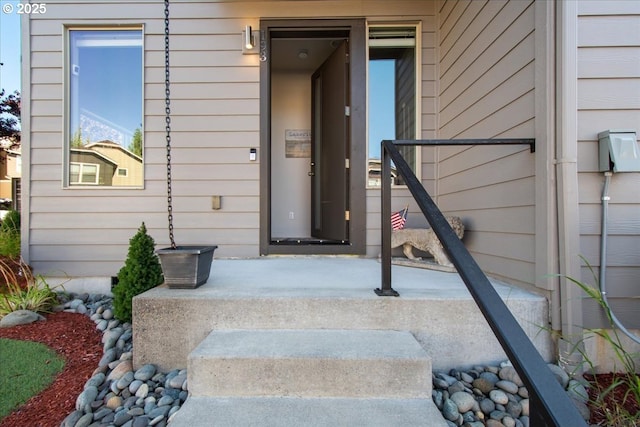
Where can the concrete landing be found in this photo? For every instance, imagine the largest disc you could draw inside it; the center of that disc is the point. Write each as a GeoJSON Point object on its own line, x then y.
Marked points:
{"type": "Point", "coordinates": [301, 412]}
{"type": "Point", "coordinates": [329, 293]}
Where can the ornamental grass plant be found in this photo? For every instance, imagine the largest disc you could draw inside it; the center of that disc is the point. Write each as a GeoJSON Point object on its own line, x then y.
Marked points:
{"type": "Point", "coordinates": [614, 397]}
{"type": "Point", "coordinates": [22, 290]}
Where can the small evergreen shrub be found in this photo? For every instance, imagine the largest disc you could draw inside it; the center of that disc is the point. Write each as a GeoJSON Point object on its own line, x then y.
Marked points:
{"type": "Point", "coordinates": [140, 273]}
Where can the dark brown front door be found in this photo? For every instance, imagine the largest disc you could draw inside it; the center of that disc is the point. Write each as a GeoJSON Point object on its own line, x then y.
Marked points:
{"type": "Point", "coordinates": [330, 147]}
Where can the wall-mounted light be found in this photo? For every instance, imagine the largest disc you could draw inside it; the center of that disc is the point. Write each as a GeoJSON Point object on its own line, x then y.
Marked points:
{"type": "Point", "coordinates": [250, 40]}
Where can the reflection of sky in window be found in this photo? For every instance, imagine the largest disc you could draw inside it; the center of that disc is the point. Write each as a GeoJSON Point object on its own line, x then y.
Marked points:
{"type": "Point", "coordinates": [108, 90]}
{"type": "Point", "coordinates": [381, 104]}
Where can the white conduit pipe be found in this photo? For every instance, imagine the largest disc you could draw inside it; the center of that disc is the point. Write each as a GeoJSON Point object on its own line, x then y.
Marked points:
{"type": "Point", "coordinates": [603, 259]}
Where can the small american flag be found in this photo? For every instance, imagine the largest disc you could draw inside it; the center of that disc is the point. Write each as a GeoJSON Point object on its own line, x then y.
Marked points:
{"type": "Point", "coordinates": [399, 218]}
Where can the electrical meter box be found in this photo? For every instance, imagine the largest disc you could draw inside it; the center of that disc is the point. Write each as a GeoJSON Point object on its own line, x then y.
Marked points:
{"type": "Point", "coordinates": [619, 151]}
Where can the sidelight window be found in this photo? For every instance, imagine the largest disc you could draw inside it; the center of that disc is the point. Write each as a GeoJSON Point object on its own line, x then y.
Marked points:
{"type": "Point", "coordinates": [392, 95]}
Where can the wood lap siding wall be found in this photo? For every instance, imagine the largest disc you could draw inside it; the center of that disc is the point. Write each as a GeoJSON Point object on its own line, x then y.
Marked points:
{"type": "Point", "coordinates": [215, 121]}
{"type": "Point", "coordinates": [486, 90]}
{"type": "Point", "coordinates": [609, 98]}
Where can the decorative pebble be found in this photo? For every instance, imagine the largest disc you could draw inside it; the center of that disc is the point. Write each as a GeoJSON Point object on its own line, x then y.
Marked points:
{"type": "Point", "coordinates": [72, 419]}
{"type": "Point", "coordinates": [577, 390]}
{"type": "Point", "coordinates": [122, 368]}
{"type": "Point", "coordinates": [178, 380]}
{"type": "Point", "coordinates": [487, 405]}
{"type": "Point", "coordinates": [497, 395]}
{"type": "Point", "coordinates": [560, 374]}
{"type": "Point", "coordinates": [509, 373]}
{"type": "Point", "coordinates": [95, 380]}
{"type": "Point", "coordinates": [484, 385]}
{"type": "Point", "coordinates": [87, 396]}
{"type": "Point", "coordinates": [450, 410]}
{"type": "Point", "coordinates": [19, 317]}
{"type": "Point", "coordinates": [125, 380]}
{"type": "Point", "coordinates": [464, 401]}
{"type": "Point", "coordinates": [145, 373]}
{"type": "Point", "coordinates": [84, 420]}
{"type": "Point", "coordinates": [121, 418]}
{"type": "Point", "coordinates": [507, 386]}
{"type": "Point", "coordinates": [114, 402]}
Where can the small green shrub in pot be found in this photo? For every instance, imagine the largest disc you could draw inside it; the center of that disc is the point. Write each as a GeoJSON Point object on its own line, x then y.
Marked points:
{"type": "Point", "coordinates": [140, 273]}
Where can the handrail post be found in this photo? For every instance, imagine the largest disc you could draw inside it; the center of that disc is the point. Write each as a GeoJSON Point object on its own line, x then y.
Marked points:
{"type": "Point", "coordinates": [385, 289]}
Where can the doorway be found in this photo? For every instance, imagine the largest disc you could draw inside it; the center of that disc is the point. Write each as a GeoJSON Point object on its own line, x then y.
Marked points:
{"type": "Point", "coordinates": [313, 138]}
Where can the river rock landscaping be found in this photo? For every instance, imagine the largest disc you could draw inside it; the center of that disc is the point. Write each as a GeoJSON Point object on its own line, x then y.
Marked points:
{"type": "Point", "coordinates": [115, 395]}
{"type": "Point", "coordinates": [494, 396]}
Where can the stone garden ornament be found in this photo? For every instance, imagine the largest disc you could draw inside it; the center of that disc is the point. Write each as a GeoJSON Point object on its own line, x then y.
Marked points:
{"type": "Point", "coordinates": [424, 239]}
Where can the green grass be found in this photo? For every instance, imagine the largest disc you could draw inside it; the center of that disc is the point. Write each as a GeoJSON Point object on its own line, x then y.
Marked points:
{"type": "Point", "coordinates": [26, 368]}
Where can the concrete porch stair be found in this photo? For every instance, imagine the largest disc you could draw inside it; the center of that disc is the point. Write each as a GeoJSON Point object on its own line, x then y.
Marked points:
{"type": "Point", "coordinates": [309, 378]}
{"type": "Point", "coordinates": [290, 297]}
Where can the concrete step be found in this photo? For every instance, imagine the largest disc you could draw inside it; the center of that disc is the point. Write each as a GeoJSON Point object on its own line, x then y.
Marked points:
{"type": "Point", "coordinates": [307, 412]}
{"type": "Point", "coordinates": [310, 363]}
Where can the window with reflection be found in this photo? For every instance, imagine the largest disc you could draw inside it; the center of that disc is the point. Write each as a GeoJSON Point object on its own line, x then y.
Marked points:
{"type": "Point", "coordinates": [105, 98]}
{"type": "Point", "coordinates": [392, 95]}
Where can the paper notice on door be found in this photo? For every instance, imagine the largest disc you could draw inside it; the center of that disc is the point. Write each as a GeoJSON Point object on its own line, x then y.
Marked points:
{"type": "Point", "coordinates": [297, 142]}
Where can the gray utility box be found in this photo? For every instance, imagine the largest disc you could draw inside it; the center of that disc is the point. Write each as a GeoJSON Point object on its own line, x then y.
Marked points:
{"type": "Point", "coordinates": [619, 151]}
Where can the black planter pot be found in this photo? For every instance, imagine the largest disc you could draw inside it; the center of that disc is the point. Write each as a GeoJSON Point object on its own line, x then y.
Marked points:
{"type": "Point", "coordinates": [186, 267]}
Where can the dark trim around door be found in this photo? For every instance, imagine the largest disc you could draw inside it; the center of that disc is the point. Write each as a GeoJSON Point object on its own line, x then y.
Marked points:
{"type": "Point", "coordinates": [358, 143]}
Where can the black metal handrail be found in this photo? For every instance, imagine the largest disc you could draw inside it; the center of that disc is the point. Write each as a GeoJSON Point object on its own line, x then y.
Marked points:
{"type": "Point", "coordinates": [549, 403]}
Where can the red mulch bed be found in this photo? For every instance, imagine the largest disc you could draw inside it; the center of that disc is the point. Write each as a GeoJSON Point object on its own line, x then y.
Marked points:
{"type": "Point", "coordinates": [618, 396]}
{"type": "Point", "coordinates": [74, 337]}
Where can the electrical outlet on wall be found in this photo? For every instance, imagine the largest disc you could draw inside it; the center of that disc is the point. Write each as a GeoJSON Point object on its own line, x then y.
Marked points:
{"type": "Point", "coordinates": [292, 215]}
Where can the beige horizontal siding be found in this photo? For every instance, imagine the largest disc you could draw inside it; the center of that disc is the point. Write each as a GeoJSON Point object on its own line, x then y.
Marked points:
{"type": "Point", "coordinates": [215, 121]}
{"type": "Point", "coordinates": [621, 30]}
{"type": "Point", "coordinates": [486, 90]}
{"type": "Point", "coordinates": [609, 62]}
{"type": "Point", "coordinates": [609, 98]}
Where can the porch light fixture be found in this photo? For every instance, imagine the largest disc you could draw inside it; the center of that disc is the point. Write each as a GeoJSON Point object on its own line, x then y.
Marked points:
{"type": "Point", "coordinates": [250, 40]}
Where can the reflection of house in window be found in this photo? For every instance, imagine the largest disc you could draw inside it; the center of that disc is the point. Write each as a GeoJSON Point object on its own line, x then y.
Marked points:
{"type": "Point", "coordinates": [105, 163]}
{"type": "Point", "coordinates": [375, 173]}
{"type": "Point", "coordinates": [129, 165]}
{"type": "Point", "coordinates": [90, 168]}
{"type": "Point", "coordinates": [10, 173]}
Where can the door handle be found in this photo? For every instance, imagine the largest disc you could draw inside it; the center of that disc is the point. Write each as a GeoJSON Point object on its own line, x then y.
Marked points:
{"type": "Point", "coordinates": [312, 171]}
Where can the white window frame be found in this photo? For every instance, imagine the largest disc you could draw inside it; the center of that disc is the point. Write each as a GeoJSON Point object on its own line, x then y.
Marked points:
{"type": "Point", "coordinates": [81, 173]}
